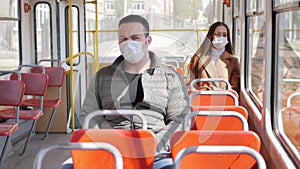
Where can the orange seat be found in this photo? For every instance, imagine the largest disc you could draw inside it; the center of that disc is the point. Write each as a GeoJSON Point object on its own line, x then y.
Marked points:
{"type": "Point", "coordinates": [213, 98]}
{"type": "Point", "coordinates": [137, 147]}
{"type": "Point", "coordinates": [139, 151]}
{"type": "Point", "coordinates": [219, 122]}
{"type": "Point", "coordinates": [56, 78]}
{"type": "Point", "coordinates": [185, 139]}
{"type": "Point", "coordinates": [35, 87]}
{"type": "Point", "coordinates": [179, 70]}
{"type": "Point", "coordinates": [291, 125]}
{"type": "Point", "coordinates": [216, 120]}
{"type": "Point", "coordinates": [12, 92]}
{"type": "Point", "coordinates": [219, 150]}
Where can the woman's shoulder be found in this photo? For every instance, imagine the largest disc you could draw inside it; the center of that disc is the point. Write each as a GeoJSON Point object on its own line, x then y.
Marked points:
{"type": "Point", "coordinates": [231, 56]}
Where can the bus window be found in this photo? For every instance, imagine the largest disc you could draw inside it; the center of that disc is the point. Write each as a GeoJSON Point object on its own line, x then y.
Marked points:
{"type": "Point", "coordinates": [288, 78]}
{"type": "Point", "coordinates": [75, 34]}
{"type": "Point", "coordinates": [255, 55]}
{"type": "Point", "coordinates": [283, 2]}
{"type": "Point", "coordinates": [236, 35]}
{"type": "Point", "coordinates": [9, 35]}
{"type": "Point", "coordinates": [43, 49]}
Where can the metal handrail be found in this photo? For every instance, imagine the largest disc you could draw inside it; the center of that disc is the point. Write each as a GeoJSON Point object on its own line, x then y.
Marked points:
{"type": "Point", "coordinates": [193, 82]}
{"type": "Point", "coordinates": [289, 100]}
{"type": "Point", "coordinates": [114, 113]}
{"type": "Point", "coordinates": [37, 164]}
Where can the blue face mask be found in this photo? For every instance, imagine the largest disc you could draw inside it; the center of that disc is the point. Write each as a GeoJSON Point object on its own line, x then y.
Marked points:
{"type": "Point", "coordinates": [220, 42]}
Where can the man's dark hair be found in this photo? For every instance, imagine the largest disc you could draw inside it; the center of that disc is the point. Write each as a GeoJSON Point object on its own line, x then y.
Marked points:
{"type": "Point", "coordinates": [136, 18]}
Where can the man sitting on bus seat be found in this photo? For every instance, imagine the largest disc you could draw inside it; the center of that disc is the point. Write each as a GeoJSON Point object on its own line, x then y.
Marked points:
{"type": "Point", "coordinates": [136, 80]}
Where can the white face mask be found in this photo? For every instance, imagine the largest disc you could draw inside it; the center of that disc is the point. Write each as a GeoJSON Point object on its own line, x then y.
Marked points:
{"type": "Point", "coordinates": [220, 42]}
{"type": "Point", "coordinates": [132, 50]}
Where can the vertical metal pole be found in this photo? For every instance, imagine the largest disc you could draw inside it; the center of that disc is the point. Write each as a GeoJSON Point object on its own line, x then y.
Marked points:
{"type": "Point", "coordinates": [71, 62]}
{"type": "Point", "coordinates": [96, 39]}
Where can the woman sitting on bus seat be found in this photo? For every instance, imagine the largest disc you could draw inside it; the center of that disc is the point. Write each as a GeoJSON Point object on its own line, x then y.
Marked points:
{"type": "Point", "coordinates": [215, 59]}
{"type": "Point", "coordinates": [136, 80]}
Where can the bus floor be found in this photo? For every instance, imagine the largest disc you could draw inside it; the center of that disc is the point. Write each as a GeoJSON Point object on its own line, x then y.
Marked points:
{"type": "Point", "coordinates": [51, 161]}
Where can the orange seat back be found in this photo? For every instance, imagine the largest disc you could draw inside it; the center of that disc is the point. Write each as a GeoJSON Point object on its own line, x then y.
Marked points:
{"type": "Point", "coordinates": [137, 147]}
{"type": "Point", "coordinates": [184, 139]}
{"type": "Point", "coordinates": [213, 98]}
{"type": "Point", "coordinates": [218, 122]}
{"type": "Point", "coordinates": [290, 120]}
